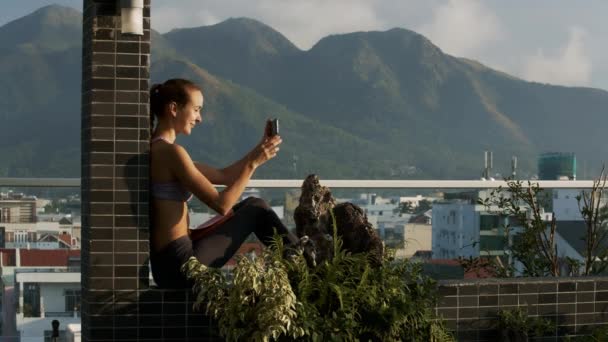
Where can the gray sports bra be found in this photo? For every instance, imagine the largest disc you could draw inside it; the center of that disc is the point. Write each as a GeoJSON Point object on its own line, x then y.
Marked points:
{"type": "Point", "coordinates": [172, 191]}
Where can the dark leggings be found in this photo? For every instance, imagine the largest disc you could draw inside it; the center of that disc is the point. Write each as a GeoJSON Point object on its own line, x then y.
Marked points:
{"type": "Point", "coordinates": [252, 215]}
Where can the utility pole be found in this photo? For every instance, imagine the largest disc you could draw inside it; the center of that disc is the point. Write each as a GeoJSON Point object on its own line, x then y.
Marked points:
{"type": "Point", "coordinates": [294, 159]}
{"type": "Point", "coordinates": [488, 164]}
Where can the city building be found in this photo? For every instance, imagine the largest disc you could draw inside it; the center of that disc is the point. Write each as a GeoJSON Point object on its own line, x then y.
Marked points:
{"type": "Point", "coordinates": [462, 229]}
{"type": "Point", "coordinates": [40, 235]}
{"type": "Point", "coordinates": [391, 229]}
{"type": "Point", "coordinates": [74, 333]}
{"type": "Point", "coordinates": [379, 207]}
{"type": "Point", "coordinates": [571, 227]}
{"type": "Point", "coordinates": [565, 205]}
{"type": "Point", "coordinates": [418, 235]}
{"type": "Point", "coordinates": [39, 286]}
{"type": "Point", "coordinates": [292, 200]}
{"type": "Point", "coordinates": [413, 200]}
{"type": "Point", "coordinates": [45, 295]}
{"type": "Point", "coordinates": [17, 208]}
{"type": "Point", "coordinates": [41, 203]}
{"type": "Point", "coordinates": [557, 165]}
{"type": "Point", "coordinates": [15, 259]}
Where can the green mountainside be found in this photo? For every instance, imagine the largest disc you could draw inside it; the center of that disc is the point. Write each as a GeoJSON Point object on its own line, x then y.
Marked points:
{"type": "Point", "coordinates": [359, 105]}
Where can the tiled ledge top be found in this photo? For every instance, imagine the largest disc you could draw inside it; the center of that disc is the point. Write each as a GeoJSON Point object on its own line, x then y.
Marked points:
{"type": "Point", "coordinates": [544, 280]}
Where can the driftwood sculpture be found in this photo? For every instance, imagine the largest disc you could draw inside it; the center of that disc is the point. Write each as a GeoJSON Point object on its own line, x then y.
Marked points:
{"type": "Point", "coordinates": [314, 224]}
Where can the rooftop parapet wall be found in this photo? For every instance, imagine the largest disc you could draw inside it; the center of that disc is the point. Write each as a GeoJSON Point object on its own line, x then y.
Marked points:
{"type": "Point", "coordinates": [576, 305]}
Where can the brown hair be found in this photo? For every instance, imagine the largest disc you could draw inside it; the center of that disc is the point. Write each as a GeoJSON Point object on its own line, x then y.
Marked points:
{"type": "Point", "coordinates": [173, 90]}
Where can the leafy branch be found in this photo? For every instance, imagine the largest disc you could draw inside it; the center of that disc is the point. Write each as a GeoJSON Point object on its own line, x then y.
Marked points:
{"type": "Point", "coordinates": [342, 299]}
{"type": "Point", "coordinates": [535, 244]}
{"type": "Point", "coordinates": [594, 211]}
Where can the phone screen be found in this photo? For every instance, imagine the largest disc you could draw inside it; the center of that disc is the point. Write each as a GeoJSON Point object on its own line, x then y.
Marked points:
{"type": "Point", "coordinates": [274, 127]}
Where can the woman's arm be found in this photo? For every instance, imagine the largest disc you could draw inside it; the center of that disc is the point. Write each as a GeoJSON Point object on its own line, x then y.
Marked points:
{"type": "Point", "coordinates": [194, 180]}
{"type": "Point", "coordinates": [215, 176]}
{"type": "Point", "coordinates": [186, 172]}
{"type": "Point", "coordinates": [229, 174]}
{"type": "Point", "coordinates": [225, 176]}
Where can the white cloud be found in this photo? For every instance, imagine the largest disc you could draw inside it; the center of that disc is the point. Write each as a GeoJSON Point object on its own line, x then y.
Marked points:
{"type": "Point", "coordinates": [572, 66]}
{"type": "Point", "coordinates": [166, 17]}
{"type": "Point", "coordinates": [305, 22]}
{"type": "Point", "coordinates": [463, 27]}
{"type": "Point", "coordinates": [302, 22]}
{"type": "Point", "coordinates": [459, 27]}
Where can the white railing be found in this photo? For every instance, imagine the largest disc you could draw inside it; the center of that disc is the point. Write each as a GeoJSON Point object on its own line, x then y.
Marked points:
{"type": "Point", "coordinates": [62, 314]}
{"type": "Point", "coordinates": [41, 182]}
{"type": "Point", "coordinates": [334, 183]}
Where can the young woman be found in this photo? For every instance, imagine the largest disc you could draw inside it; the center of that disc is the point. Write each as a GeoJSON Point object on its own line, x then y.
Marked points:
{"type": "Point", "coordinates": [174, 178]}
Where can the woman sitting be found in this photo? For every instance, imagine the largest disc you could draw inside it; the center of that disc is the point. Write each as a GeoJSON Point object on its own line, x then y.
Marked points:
{"type": "Point", "coordinates": [174, 178]}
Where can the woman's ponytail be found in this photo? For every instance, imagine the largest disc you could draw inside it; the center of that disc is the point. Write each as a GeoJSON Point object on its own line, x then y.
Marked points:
{"type": "Point", "coordinates": [155, 104]}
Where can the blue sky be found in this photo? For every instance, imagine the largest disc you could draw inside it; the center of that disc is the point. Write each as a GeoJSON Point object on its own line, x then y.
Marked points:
{"type": "Point", "coordinates": [551, 41]}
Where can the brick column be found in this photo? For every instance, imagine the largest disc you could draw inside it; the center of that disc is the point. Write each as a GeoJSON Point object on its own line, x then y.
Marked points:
{"type": "Point", "coordinates": [115, 146]}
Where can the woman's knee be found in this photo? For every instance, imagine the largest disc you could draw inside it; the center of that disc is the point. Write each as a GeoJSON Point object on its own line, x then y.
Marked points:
{"type": "Point", "coordinates": [256, 202]}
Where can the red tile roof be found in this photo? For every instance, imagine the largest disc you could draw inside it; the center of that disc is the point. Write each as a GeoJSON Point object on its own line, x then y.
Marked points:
{"type": "Point", "coordinates": [246, 248]}
{"type": "Point", "coordinates": [39, 257]}
{"type": "Point", "coordinates": [449, 262]}
{"type": "Point", "coordinates": [63, 237]}
{"type": "Point", "coordinates": [8, 256]}
{"type": "Point", "coordinates": [482, 272]}
{"type": "Point", "coordinates": [49, 257]}
{"type": "Point", "coordinates": [67, 238]}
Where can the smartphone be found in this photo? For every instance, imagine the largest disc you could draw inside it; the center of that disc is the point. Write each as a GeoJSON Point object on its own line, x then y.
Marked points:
{"type": "Point", "coordinates": [274, 127]}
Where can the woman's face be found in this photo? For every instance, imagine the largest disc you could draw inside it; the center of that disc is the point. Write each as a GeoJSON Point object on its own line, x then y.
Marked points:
{"type": "Point", "coordinates": [190, 115]}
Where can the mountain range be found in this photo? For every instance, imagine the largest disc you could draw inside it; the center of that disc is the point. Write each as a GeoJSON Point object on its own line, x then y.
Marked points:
{"type": "Point", "coordinates": [362, 105]}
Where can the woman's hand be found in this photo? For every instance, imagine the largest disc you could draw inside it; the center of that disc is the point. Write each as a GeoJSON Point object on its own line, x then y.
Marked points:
{"type": "Point", "coordinates": [265, 150]}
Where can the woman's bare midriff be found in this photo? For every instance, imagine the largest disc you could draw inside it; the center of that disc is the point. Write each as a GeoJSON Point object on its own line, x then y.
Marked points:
{"type": "Point", "coordinates": [170, 220]}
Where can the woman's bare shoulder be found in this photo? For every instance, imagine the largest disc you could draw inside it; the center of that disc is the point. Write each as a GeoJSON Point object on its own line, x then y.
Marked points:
{"type": "Point", "coordinates": [171, 156]}
{"type": "Point", "coordinates": [168, 161]}
{"type": "Point", "coordinates": [168, 150]}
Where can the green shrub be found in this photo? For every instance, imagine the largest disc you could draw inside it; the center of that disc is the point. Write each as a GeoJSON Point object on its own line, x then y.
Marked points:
{"type": "Point", "coordinates": [342, 299]}
{"type": "Point", "coordinates": [515, 325]}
